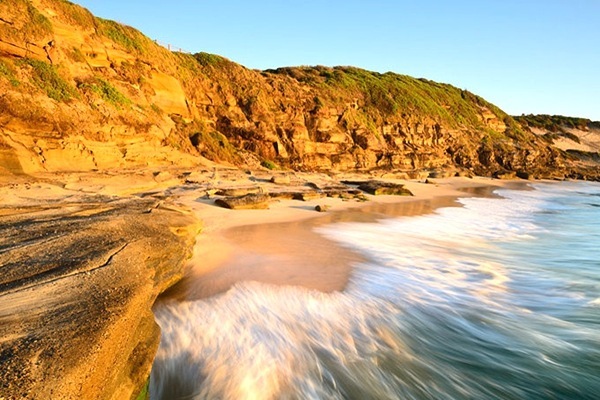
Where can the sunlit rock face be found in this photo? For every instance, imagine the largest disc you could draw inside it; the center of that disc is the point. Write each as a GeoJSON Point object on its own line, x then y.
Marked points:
{"type": "Point", "coordinates": [103, 95]}
{"type": "Point", "coordinates": [79, 276]}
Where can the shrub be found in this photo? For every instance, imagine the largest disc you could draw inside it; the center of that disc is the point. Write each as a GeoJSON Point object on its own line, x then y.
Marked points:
{"type": "Point", "coordinates": [268, 164]}
{"type": "Point", "coordinates": [126, 36]}
{"type": "Point", "coordinates": [106, 91]}
{"type": "Point", "coordinates": [7, 72]}
{"type": "Point", "coordinates": [46, 77]}
{"type": "Point", "coordinates": [208, 59]}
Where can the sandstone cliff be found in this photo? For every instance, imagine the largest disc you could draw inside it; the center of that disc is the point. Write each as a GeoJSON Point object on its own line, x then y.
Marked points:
{"type": "Point", "coordinates": [83, 93]}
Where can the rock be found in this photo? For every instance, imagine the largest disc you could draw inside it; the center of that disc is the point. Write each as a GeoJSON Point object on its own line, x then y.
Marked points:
{"type": "Point", "coordinates": [281, 179]}
{"type": "Point", "coordinates": [322, 208]}
{"type": "Point", "coordinates": [465, 173]}
{"type": "Point", "coordinates": [239, 191]}
{"type": "Point", "coordinates": [76, 292]}
{"type": "Point", "coordinates": [524, 175]}
{"type": "Point", "coordinates": [308, 196]}
{"type": "Point", "coordinates": [442, 173]}
{"type": "Point", "coordinates": [505, 175]}
{"type": "Point", "coordinates": [246, 202]}
{"type": "Point", "coordinates": [384, 188]}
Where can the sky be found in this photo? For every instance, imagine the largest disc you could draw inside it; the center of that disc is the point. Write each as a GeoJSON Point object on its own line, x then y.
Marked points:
{"type": "Point", "coordinates": [525, 56]}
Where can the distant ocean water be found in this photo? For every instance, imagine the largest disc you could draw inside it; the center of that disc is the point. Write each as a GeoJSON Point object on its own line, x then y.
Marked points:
{"type": "Point", "coordinates": [498, 299]}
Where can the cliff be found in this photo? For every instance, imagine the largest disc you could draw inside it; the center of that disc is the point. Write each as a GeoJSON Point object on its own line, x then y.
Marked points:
{"type": "Point", "coordinates": [84, 93]}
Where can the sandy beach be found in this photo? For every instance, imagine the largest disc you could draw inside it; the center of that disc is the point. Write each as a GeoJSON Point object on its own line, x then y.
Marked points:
{"type": "Point", "coordinates": [107, 243]}
{"type": "Point", "coordinates": [279, 245]}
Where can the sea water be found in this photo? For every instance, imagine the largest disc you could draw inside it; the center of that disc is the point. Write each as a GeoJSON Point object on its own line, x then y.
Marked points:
{"type": "Point", "coordinates": [497, 299]}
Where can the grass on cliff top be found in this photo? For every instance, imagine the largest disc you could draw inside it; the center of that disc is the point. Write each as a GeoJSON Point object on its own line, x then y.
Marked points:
{"type": "Point", "coordinates": [390, 95]}
{"type": "Point", "coordinates": [126, 36]}
{"type": "Point", "coordinates": [46, 77]}
{"type": "Point", "coordinates": [553, 123]}
{"type": "Point", "coordinates": [73, 14]}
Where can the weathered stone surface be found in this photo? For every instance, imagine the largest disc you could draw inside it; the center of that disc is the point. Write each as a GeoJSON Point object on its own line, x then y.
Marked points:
{"type": "Point", "coordinates": [505, 175]}
{"type": "Point", "coordinates": [309, 195]}
{"type": "Point", "coordinates": [378, 188]}
{"type": "Point", "coordinates": [249, 201]}
{"type": "Point", "coordinates": [281, 179]}
{"type": "Point", "coordinates": [239, 191]}
{"type": "Point", "coordinates": [77, 283]}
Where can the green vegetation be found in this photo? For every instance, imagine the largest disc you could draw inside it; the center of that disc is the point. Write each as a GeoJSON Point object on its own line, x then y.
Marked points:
{"type": "Point", "coordinates": [76, 55]}
{"type": "Point", "coordinates": [387, 96]}
{"type": "Point", "coordinates": [36, 27]}
{"type": "Point", "coordinates": [73, 13]}
{"type": "Point", "coordinates": [207, 59]}
{"type": "Point", "coordinates": [144, 394]}
{"type": "Point", "coordinates": [553, 123]}
{"type": "Point", "coordinates": [106, 91]}
{"type": "Point", "coordinates": [268, 164]}
{"type": "Point", "coordinates": [46, 77]}
{"type": "Point", "coordinates": [213, 145]}
{"type": "Point", "coordinates": [128, 37]}
{"type": "Point", "coordinates": [8, 73]}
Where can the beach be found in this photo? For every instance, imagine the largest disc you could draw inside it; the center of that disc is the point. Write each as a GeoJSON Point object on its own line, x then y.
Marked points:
{"type": "Point", "coordinates": [475, 293]}
{"type": "Point", "coordinates": [279, 245]}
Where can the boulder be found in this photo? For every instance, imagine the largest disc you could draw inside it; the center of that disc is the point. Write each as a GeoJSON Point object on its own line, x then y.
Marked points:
{"type": "Point", "coordinates": [281, 179]}
{"type": "Point", "coordinates": [322, 208]}
{"type": "Point", "coordinates": [378, 188]}
{"type": "Point", "coordinates": [505, 175]}
{"type": "Point", "coordinates": [239, 191]}
{"type": "Point", "coordinates": [308, 196]}
{"type": "Point", "coordinates": [247, 202]}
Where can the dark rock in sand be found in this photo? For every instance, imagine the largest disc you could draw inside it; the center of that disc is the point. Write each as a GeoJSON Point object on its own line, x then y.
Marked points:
{"type": "Point", "coordinates": [76, 285]}
{"type": "Point", "coordinates": [505, 175]}
{"type": "Point", "coordinates": [384, 188]}
{"type": "Point", "coordinates": [249, 201]}
{"type": "Point", "coordinates": [239, 191]}
{"type": "Point", "coordinates": [309, 195]}
{"type": "Point", "coordinates": [524, 175]}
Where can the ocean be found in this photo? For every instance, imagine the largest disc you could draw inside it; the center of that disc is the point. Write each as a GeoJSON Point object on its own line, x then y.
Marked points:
{"type": "Point", "coordinates": [496, 299]}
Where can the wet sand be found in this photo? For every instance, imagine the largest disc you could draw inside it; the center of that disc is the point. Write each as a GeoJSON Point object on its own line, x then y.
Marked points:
{"type": "Point", "coordinates": [280, 246]}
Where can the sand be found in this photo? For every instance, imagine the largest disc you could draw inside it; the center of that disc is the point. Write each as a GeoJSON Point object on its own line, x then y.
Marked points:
{"type": "Point", "coordinates": [280, 246]}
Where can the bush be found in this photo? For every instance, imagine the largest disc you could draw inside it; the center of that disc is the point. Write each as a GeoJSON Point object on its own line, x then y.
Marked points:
{"type": "Point", "coordinates": [8, 73]}
{"type": "Point", "coordinates": [126, 36]}
{"type": "Point", "coordinates": [268, 164]}
{"type": "Point", "coordinates": [46, 77]}
{"type": "Point", "coordinates": [106, 91]}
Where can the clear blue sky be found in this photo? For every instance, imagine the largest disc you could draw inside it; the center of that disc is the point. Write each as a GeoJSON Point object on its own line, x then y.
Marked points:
{"type": "Point", "coordinates": [526, 56]}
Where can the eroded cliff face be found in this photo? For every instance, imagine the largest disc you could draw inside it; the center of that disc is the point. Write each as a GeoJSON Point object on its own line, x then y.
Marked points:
{"type": "Point", "coordinates": [82, 93]}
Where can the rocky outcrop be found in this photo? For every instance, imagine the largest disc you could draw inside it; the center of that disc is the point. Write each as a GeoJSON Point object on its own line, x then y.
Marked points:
{"type": "Point", "coordinates": [378, 188]}
{"type": "Point", "coordinates": [77, 282]}
{"type": "Point", "coordinates": [245, 202]}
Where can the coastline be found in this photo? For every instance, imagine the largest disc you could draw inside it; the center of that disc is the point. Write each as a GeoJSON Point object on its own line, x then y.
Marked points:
{"type": "Point", "coordinates": [279, 245]}
{"type": "Point", "coordinates": [169, 204]}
